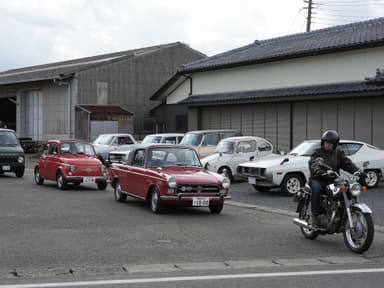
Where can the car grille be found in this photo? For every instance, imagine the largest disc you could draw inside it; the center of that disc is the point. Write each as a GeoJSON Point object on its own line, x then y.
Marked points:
{"type": "Point", "coordinates": [8, 158]}
{"type": "Point", "coordinates": [198, 188]}
{"type": "Point", "coordinates": [116, 157]}
{"type": "Point", "coordinates": [253, 171]}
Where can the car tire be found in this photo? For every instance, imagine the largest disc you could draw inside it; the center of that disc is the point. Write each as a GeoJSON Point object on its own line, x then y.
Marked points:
{"type": "Point", "coordinates": [60, 181]}
{"type": "Point", "coordinates": [155, 202]}
{"type": "Point", "coordinates": [19, 173]}
{"type": "Point", "coordinates": [119, 195]}
{"type": "Point", "coordinates": [37, 176]}
{"type": "Point", "coordinates": [102, 185]}
{"type": "Point", "coordinates": [372, 178]}
{"type": "Point", "coordinates": [216, 209]}
{"type": "Point", "coordinates": [261, 189]}
{"type": "Point", "coordinates": [228, 173]}
{"type": "Point", "coordinates": [291, 184]}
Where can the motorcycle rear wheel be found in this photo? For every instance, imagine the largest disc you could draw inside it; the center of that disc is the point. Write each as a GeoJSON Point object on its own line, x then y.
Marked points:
{"type": "Point", "coordinates": [360, 239]}
{"type": "Point", "coordinates": [308, 233]}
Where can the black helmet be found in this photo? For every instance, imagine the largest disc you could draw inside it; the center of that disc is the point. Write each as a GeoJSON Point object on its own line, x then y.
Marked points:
{"type": "Point", "coordinates": [330, 136]}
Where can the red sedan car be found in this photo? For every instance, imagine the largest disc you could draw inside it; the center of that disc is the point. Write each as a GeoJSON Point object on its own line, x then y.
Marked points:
{"type": "Point", "coordinates": [168, 175]}
{"type": "Point", "coordinates": [70, 161]}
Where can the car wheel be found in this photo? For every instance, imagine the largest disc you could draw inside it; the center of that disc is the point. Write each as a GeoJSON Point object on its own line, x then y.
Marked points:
{"type": "Point", "coordinates": [19, 173]}
{"type": "Point", "coordinates": [102, 185]}
{"type": "Point", "coordinates": [38, 179]}
{"type": "Point", "coordinates": [155, 202]}
{"type": "Point", "coordinates": [119, 195]}
{"type": "Point", "coordinates": [372, 178]}
{"type": "Point", "coordinates": [291, 184]}
{"type": "Point", "coordinates": [228, 173]}
{"type": "Point", "coordinates": [216, 209]}
{"type": "Point", "coordinates": [261, 189]}
{"type": "Point", "coordinates": [60, 181]}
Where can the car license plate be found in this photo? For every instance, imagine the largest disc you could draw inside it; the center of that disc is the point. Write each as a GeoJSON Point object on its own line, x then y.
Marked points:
{"type": "Point", "coordinates": [6, 168]}
{"type": "Point", "coordinates": [89, 180]}
{"type": "Point", "coordinates": [252, 180]}
{"type": "Point", "coordinates": [202, 202]}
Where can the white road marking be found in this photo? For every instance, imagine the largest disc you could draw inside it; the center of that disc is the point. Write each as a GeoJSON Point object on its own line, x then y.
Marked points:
{"type": "Point", "coordinates": [194, 278]}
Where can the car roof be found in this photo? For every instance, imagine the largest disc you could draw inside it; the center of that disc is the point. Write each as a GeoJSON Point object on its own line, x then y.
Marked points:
{"type": "Point", "coordinates": [166, 134]}
{"type": "Point", "coordinates": [68, 140]}
{"type": "Point", "coordinates": [242, 138]}
{"type": "Point", "coordinates": [341, 141]}
{"type": "Point", "coordinates": [212, 131]}
{"type": "Point", "coordinates": [7, 130]}
{"type": "Point", "coordinates": [115, 134]}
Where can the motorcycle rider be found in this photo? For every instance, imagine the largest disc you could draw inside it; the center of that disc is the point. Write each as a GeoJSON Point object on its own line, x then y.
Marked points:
{"type": "Point", "coordinates": [319, 176]}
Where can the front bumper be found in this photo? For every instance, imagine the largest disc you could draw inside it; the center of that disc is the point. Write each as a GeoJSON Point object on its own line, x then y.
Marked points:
{"type": "Point", "coordinates": [81, 178]}
{"type": "Point", "coordinates": [181, 197]}
{"type": "Point", "coordinates": [11, 167]}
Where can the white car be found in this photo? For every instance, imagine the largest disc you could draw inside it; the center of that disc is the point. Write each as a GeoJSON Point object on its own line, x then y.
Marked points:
{"type": "Point", "coordinates": [166, 138]}
{"type": "Point", "coordinates": [232, 151]}
{"type": "Point", "coordinates": [105, 143]}
{"type": "Point", "coordinates": [291, 171]}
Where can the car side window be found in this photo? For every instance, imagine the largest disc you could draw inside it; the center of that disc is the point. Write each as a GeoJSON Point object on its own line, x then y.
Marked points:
{"type": "Point", "coordinates": [52, 149]}
{"type": "Point", "coordinates": [125, 140]}
{"type": "Point", "coordinates": [246, 146]}
{"type": "Point", "coordinates": [138, 158]}
{"type": "Point", "coordinates": [211, 139]}
{"type": "Point", "coordinates": [350, 148]}
{"type": "Point", "coordinates": [170, 140]}
{"type": "Point", "coordinates": [264, 146]}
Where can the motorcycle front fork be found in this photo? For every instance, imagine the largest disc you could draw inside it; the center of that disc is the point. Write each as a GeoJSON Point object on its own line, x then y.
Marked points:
{"type": "Point", "coordinates": [347, 204]}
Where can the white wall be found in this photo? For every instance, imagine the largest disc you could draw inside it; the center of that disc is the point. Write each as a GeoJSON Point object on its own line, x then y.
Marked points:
{"type": "Point", "coordinates": [313, 70]}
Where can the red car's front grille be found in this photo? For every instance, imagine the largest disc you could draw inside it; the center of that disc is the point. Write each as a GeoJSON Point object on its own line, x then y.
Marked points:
{"type": "Point", "coordinates": [193, 188]}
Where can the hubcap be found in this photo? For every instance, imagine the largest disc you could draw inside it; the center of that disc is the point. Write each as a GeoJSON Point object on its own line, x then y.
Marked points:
{"type": "Point", "coordinates": [293, 185]}
{"type": "Point", "coordinates": [372, 178]}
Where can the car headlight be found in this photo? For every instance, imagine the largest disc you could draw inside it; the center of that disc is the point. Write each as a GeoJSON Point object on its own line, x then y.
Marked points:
{"type": "Point", "coordinates": [172, 182]}
{"type": "Point", "coordinates": [72, 168]}
{"type": "Point", "coordinates": [20, 159]}
{"type": "Point", "coordinates": [355, 189]}
{"type": "Point", "coordinates": [226, 183]}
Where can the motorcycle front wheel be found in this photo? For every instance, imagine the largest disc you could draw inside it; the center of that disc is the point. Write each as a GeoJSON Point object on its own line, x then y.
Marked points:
{"type": "Point", "coordinates": [360, 237]}
{"type": "Point", "coordinates": [308, 233]}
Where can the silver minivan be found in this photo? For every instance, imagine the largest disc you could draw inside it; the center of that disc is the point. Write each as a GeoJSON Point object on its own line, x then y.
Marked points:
{"type": "Point", "coordinates": [205, 141]}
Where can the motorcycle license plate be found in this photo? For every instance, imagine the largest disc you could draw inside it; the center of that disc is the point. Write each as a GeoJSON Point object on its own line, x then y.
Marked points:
{"type": "Point", "coordinates": [89, 180]}
{"type": "Point", "coordinates": [252, 180]}
{"type": "Point", "coordinates": [199, 201]}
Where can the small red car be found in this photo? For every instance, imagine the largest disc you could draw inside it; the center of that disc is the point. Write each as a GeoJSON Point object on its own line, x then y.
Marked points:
{"type": "Point", "coordinates": [73, 161]}
{"type": "Point", "coordinates": [167, 175]}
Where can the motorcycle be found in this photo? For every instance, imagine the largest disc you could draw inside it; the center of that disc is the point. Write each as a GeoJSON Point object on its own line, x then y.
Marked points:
{"type": "Point", "coordinates": [341, 211]}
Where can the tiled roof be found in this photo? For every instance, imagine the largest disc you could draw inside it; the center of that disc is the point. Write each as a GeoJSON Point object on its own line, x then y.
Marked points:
{"type": "Point", "coordinates": [337, 38]}
{"type": "Point", "coordinates": [68, 68]}
{"type": "Point", "coordinates": [105, 109]}
{"type": "Point", "coordinates": [286, 94]}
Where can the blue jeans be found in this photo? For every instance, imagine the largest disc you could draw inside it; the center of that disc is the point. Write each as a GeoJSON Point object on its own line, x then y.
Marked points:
{"type": "Point", "coordinates": [317, 187]}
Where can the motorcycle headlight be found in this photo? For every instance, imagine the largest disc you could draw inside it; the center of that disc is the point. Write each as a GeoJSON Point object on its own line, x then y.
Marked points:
{"type": "Point", "coordinates": [172, 182]}
{"type": "Point", "coordinates": [20, 159]}
{"type": "Point", "coordinates": [226, 183]}
{"type": "Point", "coordinates": [355, 189]}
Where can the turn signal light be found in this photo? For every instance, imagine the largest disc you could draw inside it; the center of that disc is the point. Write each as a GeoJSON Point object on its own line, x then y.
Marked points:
{"type": "Point", "coordinates": [364, 189]}
{"type": "Point", "coordinates": [343, 188]}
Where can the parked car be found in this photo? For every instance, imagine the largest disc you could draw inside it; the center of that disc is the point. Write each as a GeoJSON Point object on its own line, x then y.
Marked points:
{"type": "Point", "coordinates": [167, 138]}
{"type": "Point", "coordinates": [232, 151]}
{"type": "Point", "coordinates": [205, 141]}
{"type": "Point", "coordinates": [70, 161]}
{"type": "Point", "coordinates": [290, 172]}
{"type": "Point", "coordinates": [168, 175]}
{"type": "Point", "coordinates": [12, 157]}
{"type": "Point", "coordinates": [105, 143]}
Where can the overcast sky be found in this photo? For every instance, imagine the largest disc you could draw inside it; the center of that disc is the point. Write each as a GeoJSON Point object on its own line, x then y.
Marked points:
{"type": "Point", "coordinates": [42, 31]}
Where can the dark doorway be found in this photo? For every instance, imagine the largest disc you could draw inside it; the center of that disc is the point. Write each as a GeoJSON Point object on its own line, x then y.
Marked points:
{"type": "Point", "coordinates": [8, 113]}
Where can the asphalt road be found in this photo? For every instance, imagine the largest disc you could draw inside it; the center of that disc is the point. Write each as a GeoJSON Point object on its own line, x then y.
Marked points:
{"type": "Point", "coordinates": [48, 235]}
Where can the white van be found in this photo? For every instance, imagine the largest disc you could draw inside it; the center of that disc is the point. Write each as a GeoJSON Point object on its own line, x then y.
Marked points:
{"type": "Point", "coordinates": [205, 141]}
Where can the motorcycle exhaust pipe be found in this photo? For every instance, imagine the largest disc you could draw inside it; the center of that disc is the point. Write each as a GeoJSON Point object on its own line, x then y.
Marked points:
{"type": "Point", "coordinates": [301, 223]}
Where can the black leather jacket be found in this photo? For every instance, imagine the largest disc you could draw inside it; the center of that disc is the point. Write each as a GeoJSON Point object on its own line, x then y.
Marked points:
{"type": "Point", "coordinates": [335, 159]}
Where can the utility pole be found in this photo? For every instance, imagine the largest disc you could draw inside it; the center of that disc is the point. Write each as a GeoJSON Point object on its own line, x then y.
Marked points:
{"type": "Point", "coordinates": [309, 17]}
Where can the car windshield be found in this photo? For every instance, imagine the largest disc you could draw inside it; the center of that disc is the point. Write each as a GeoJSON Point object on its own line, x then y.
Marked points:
{"type": "Point", "coordinates": [225, 147]}
{"type": "Point", "coordinates": [8, 138]}
{"type": "Point", "coordinates": [305, 149]}
{"type": "Point", "coordinates": [104, 140]}
{"type": "Point", "coordinates": [77, 148]}
{"type": "Point", "coordinates": [169, 156]}
{"type": "Point", "coordinates": [193, 139]}
{"type": "Point", "coordinates": [151, 139]}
